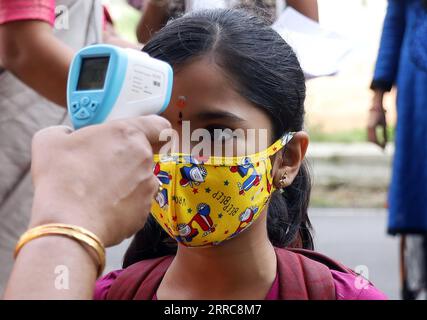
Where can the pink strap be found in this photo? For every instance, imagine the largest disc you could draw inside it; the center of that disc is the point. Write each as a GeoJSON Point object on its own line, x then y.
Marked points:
{"type": "Point", "coordinates": [27, 10]}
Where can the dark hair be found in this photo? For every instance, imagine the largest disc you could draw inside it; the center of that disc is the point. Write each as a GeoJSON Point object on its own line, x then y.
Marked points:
{"type": "Point", "coordinates": [266, 72]}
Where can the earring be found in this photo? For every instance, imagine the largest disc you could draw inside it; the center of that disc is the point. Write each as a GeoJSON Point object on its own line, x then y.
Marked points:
{"type": "Point", "coordinates": [282, 181]}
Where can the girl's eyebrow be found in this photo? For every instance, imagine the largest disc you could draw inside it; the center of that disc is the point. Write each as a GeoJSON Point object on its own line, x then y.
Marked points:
{"type": "Point", "coordinates": [218, 115]}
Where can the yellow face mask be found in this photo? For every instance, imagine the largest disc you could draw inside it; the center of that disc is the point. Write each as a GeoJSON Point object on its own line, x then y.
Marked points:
{"type": "Point", "coordinates": [204, 203]}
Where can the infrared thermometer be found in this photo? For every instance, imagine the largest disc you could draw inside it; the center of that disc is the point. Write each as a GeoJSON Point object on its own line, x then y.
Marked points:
{"type": "Point", "coordinates": [107, 82]}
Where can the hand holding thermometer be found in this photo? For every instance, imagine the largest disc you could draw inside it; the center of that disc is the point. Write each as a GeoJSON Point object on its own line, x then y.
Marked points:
{"type": "Point", "coordinates": [107, 82]}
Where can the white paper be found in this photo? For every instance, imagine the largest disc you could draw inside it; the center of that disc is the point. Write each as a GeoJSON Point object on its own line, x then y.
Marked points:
{"type": "Point", "coordinates": [193, 5]}
{"type": "Point", "coordinates": [320, 51]}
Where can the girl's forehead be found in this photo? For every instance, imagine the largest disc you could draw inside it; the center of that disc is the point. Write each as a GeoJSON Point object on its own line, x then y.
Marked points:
{"type": "Point", "coordinates": [203, 92]}
{"type": "Point", "coordinates": [203, 85]}
{"type": "Point", "coordinates": [203, 78]}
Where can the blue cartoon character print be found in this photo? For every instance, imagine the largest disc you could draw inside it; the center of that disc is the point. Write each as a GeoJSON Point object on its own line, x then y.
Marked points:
{"type": "Point", "coordinates": [164, 178]}
{"type": "Point", "coordinates": [192, 175]}
{"type": "Point", "coordinates": [252, 179]}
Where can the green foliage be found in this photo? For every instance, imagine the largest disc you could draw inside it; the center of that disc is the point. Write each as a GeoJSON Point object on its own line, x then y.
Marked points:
{"type": "Point", "coordinates": [347, 136]}
{"type": "Point", "coordinates": [125, 19]}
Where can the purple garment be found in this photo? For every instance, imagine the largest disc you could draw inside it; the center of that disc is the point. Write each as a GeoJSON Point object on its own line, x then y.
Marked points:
{"type": "Point", "coordinates": [347, 287]}
{"type": "Point", "coordinates": [137, 4]}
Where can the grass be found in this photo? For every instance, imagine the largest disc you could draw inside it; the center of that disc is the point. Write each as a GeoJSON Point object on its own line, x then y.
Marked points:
{"type": "Point", "coordinates": [348, 136]}
{"type": "Point", "coordinates": [348, 196]}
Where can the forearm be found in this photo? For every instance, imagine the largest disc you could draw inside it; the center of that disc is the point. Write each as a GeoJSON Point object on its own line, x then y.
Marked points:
{"type": "Point", "coordinates": [52, 267]}
{"type": "Point", "coordinates": [309, 8]}
{"type": "Point", "coordinates": [377, 99]}
{"type": "Point", "coordinates": [30, 51]}
{"type": "Point", "coordinates": [378, 95]}
{"type": "Point", "coordinates": [109, 36]}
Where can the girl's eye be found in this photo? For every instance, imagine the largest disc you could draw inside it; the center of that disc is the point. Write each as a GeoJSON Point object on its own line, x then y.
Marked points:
{"type": "Point", "coordinates": [220, 134]}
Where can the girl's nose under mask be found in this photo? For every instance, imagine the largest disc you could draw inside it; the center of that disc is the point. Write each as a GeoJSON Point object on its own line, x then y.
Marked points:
{"type": "Point", "coordinates": [204, 203]}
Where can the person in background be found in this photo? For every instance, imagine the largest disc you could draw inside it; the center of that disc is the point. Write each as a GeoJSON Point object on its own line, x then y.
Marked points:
{"type": "Point", "coordinates": [155, 13]}
{"type": "Point", "coordinates": [37, 41]}
{"type": "Point", "coordinates": [402, 61]}
{"type": "Point", "coordinates": [110, 35]}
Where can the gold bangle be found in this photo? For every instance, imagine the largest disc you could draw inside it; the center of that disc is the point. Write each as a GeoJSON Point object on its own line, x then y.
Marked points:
{"type": "Point", "coordinates": [83, 236]}
{"type": "Point", "coordinates": [71, 227]}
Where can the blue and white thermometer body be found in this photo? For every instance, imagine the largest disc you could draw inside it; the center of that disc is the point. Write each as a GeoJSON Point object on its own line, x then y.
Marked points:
{"type": "Point", "coordinates": [107, 82]}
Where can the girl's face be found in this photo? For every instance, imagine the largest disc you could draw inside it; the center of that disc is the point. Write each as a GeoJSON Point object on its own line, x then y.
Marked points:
{"type": "Point", "coordinates": [207, 98]}
{"type": "Point", "coordinates": [203, 95]}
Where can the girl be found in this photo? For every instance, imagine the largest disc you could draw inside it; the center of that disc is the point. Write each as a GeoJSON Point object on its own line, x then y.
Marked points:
{"type": "Point", "coordinates": [231, 220]}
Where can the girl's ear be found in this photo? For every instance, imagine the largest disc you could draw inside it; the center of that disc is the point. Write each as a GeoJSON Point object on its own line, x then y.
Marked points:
{"type": "Point", "coordinates": [288, 162]}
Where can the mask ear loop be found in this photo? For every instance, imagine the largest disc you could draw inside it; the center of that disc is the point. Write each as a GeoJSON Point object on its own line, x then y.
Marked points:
{"type": "Point", "coordinates": [279, 144]}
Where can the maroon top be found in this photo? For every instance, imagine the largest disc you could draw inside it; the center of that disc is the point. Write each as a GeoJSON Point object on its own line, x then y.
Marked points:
{"type": "Point", "coordinates": [347, 287]}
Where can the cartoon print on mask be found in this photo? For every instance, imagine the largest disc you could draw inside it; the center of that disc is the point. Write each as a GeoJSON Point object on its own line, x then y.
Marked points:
{"type": "Point", "coordinates": [210, 203]}
{"type": "Point", "coordinates": [164, 178]}
{"type": "Point", "coordinates": [246, 219]}
{"type": "Point", "coordinates": [243, 170]}
{"type": "Point", "coordinates": [269, 186]}
{"type": "Point", "coordinates": [167, 227]}
{"type": "Point", "coordinates": [202, 218]}
{"type": "Point", "coordinates": [252, 180]}
{"type": "Point", "coordinates": [198, 159]}
{"type": "Point", "coordinates": [193, 175]}
{"type": "Point", "coordinates": [162, 198]}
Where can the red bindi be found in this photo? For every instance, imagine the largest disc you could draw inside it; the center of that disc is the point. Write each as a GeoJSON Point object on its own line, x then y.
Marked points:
{"type": "Point", "coordinates": [182, 102]}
